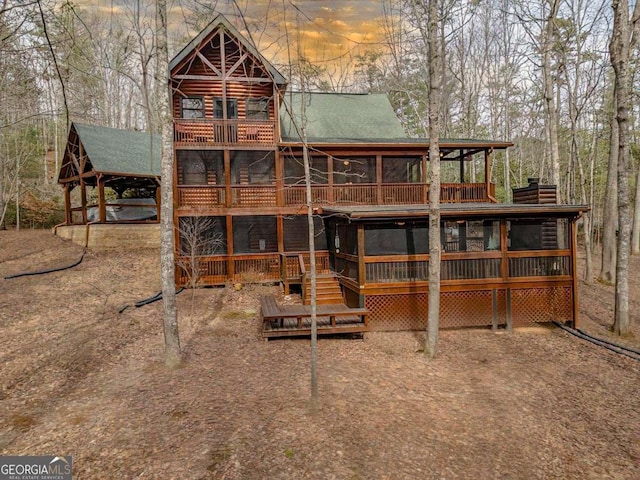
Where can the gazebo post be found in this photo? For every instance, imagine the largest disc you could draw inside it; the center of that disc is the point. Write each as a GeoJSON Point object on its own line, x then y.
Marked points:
{"type": "Point", "coordinates": [102, 208]}
{"type": "Point", "coordinates": [83, 187]}
{"type": "Point", "coordinates": [67, 204]}
{"type": "Point", "coordinates": [158, 203]}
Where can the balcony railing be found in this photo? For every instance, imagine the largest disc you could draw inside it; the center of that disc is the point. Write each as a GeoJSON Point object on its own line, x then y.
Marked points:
{"type": "Point", "coordinates": [201, 196]}
{"type": "Point", "coordinates": [206, 132]}
{"type": "Point", "coordinates": [388, 194]}
{"type": "Point", "coordinates": [350, 194]}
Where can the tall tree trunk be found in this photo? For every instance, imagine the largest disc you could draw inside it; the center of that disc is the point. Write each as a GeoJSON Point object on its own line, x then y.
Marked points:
{"type": "Point", "coordinates": [610, 213]}
{"type": "Point", "coordinates": [635, 236]}
{"type": "Point", "coordinates": [312, 270]}
{"type": "Point", "coordinates": [170, 314]}
{"type": "Point", "coordinates": [619, 51]}
{"type": "Point", "coordinates": [435, 76]}
{"type": "Point", "coordinates": [550, 106]}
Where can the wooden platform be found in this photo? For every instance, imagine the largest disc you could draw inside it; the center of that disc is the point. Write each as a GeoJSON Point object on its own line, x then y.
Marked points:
{"type": "Point", "coordinates": [295, 320]}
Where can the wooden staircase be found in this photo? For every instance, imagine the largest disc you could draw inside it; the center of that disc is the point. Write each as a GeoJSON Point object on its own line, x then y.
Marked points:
{"type": "Point", "coordinates": [327, 290]}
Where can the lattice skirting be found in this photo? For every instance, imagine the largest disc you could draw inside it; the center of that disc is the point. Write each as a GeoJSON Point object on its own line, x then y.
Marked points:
{"type": "Point", "coordinates": [529, 306]}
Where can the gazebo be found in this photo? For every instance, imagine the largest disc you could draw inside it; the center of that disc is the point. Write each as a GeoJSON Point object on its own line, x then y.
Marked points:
{"type": "Point", "coordinates": [126, 162]}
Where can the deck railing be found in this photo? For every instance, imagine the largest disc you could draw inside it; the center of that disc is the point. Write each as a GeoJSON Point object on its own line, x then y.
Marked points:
{"type": "Point", "coordinates": [464, 266]}
{"type": "Point", "coordinates": [201, 196]}
{"type": "Point", "coordinates": [203, 132]}
{"type": "Point", "coordinates": [253, 196]}
{"type": "Point", "coordinates": [353, 194]}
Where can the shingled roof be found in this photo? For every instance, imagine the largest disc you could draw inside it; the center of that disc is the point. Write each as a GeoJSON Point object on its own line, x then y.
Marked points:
{"type": "Point", "coordinates": [340, 118]}
{"type": "Point", "coordinates": [127, 152]}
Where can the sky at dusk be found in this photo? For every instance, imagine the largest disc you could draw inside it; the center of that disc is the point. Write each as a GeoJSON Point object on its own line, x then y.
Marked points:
{"type": "Point", "coordinates": [327, 32]}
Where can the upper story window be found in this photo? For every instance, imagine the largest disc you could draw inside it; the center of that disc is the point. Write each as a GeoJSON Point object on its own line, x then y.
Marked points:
{"type": "Point", "coordinates": [257, 108]}
{"type": "Point", "coordinates": [232, 108]}
{"type": "Point", "coordinates": [192, 107]}
{"type": "Point", "coordinates": [401, 169]}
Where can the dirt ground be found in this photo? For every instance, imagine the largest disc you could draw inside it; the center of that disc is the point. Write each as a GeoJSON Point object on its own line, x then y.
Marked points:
{"type": "Point", "coordinates": [80, 379]}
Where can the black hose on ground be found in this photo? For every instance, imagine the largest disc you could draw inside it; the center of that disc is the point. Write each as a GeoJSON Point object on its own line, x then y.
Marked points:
{"type": "Point", "coordinates": [147, 301]}
{"type": "Point", "coordinates": [624, 347]}
{"type": "Point", "coordinates": [614, 347]}
{"type": "Point", "coordinates": [48, 270]}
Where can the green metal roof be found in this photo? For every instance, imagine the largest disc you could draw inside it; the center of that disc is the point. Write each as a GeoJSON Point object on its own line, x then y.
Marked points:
{"type": "Point", "coordinates": [111, 150]}
{"type": "Point", "coordinates": [340, 118]}
{"type": "Point", "coordinates": [520, 210]}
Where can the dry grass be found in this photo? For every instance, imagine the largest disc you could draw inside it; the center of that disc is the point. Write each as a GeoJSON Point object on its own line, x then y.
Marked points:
{"type": "Point", "coordinates": [79, 378]}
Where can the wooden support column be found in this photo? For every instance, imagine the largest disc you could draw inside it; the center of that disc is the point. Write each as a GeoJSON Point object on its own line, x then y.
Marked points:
{"type": "Point", "coordinates": [487, 173]}
{"type": "Point", "coordinates": [279, 174]}
{"type": "Point", "coordinates": [461, 166]}
{"type": "Point", "coordinates": [574, 271]}
{"type": "Point", "coordinates": [102, 208]}
{"type": "Point", "coordinates": [230, 266]}
{"type": "Point", "coordinates": [424, 176]}
{"type": "Point", "coordinates": [83, 200]}
{"type": "Point", "coordinates": [330, 178]}
{"type": "Point", "coordinates": [83, 187]}
{"type": "Point", "coordinates": [504, 260]}
{"type": "Point", "coordinates": [362, 277]}
{"type": "Point", "coordinates": [227, 178]}
{"type": "Point", "coordinates": [380, 200]}
{"type": "Point", "coordinates": [280, 232]}
{"type": "Point", "coordinates": [67, 204]}
{"type": "Point", "coordinates": [159, 203]}
{"type": "Point", "coordinates": [494, 309]}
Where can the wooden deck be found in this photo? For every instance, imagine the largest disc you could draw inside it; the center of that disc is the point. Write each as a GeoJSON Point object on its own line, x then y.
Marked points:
{"type": "Point", "coordinates": [295, 320]}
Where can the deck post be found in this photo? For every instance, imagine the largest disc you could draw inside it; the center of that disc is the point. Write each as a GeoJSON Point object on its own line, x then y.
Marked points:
{"type": "Point", "coordinates": [379, 199]}
{"type": "Point", "coordinates": [574, 273]}
{"type": "Point", "coordinates": [102, 208]}
{"type": "Point", "coordinates": [509, 316]}
{"type": "Point", "coordinates": [230, 265]}
{"type": "Point", "coordinates": [494, 309]}
{"type": "Point", "coordinates": [361, 264]}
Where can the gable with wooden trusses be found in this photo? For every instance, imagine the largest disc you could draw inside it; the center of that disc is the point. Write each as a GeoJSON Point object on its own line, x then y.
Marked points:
{"type": "Point", "coordinates": [221, 52]}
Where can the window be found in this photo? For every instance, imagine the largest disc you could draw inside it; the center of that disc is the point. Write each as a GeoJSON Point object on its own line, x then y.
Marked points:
{"type": "Point", "coordinates": [470, 236]}
{"type": "Point", "coordinates": [401, 169]}
{"type": "Point", "coordinates": [354, 170]}
{"type": "Point", "coordinates": [255, 234]}
{"type": "Point", "coordinates": [201, 236]}
{"type": "Point", "coordinates": [232, 108]}
{"type": "Point", "coordinates": [192, 107]}
{"type": "Point", "coordinates": [404, 239]}
{"type": "Point", "coordinates": [296, 234]}
{"type": "Point", "coordinates": [538, 234]}
{"type": "Point", "coordinates": [196, 167]}
{"type": "Point", "coordinates": [294, 170]}
{"type": "Point", "coordinates": [257, 108]}
{"type": "Point", "coordinates": [252, 168]}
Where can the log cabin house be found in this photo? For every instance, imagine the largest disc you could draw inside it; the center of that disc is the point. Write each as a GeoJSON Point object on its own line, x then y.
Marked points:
{"type": "Point", "coordinates": [238, 152]}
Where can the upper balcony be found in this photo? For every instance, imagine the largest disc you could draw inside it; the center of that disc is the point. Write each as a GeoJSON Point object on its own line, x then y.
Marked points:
{"type": "Point", "coordinates": [256, 196]}
{"type": "Point", "coordinates": [207, 132]}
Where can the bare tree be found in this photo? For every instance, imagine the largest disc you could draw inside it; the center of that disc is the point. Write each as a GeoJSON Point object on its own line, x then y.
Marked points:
{"type": "Point", "coordinates": [198, 238]}
{"type": "Point", "coordinates": [172, 351]}
{"type": "Point", "coordinates": [619, 51]}
{"type": "Point", "coordinates": [435, 77]}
